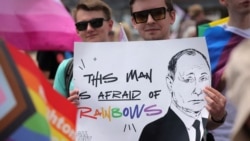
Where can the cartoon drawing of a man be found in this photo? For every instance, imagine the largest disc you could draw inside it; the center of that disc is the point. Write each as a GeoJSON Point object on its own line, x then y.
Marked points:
{"type": "Point", "coordinates": [185, 81]}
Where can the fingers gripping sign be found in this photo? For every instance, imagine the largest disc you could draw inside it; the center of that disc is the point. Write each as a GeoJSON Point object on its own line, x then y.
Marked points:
{"type": "Point", "coordinates": [216, 103]}
{"type": "Point", "coordinates": [74, 98]}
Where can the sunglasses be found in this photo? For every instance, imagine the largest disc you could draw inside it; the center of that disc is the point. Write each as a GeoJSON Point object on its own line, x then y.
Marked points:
{"type": "Point", "coordinates": [95, 23]}
{"type": "Point", "coordinates": [156, 13]}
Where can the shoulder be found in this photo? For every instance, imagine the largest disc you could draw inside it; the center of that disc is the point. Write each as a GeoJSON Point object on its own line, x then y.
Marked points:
{"type": "Point", "coordinates": [216, 33]}
{"type": "Point", "coordinates": [217, 37]}
{"type": "Point", "coordinates": [63, 64]}
{"type": "Point", "coordinates": [59, 82]}
{"type": "Point", "coordinates": [61, 68]}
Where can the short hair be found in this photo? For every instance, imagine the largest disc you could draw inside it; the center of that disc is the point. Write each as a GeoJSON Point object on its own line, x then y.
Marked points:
{"type": "Point", "coordinates": [168, 3]}
{"type": "Point", "coordinates": [93, 5]}
{"type": "Point", "coordinates": [195, 10]}
{"type": "Point", "coordinates": [176, 57]}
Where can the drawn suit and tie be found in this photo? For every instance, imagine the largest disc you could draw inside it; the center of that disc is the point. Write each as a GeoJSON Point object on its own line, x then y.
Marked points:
{"type": "Point", "coordinates": [186, 79]}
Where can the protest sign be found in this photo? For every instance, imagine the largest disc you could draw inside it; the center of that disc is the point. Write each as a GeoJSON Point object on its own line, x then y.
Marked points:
{"type": "Point", "coordinates": [124, 86]}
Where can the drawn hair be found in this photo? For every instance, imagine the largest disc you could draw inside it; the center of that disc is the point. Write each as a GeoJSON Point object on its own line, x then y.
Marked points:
{"type": "Point", "coordinates": [176, 57]}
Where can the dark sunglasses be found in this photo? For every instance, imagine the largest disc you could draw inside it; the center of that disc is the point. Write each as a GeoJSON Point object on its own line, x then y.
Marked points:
{"type": "Point", "coordinates": [95, 23]}
{"type": "Point", "coordinates": [156, 13]}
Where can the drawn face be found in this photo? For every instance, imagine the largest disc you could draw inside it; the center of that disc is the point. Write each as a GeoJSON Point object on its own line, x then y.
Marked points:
{"type": "Point", "coordinates": [153, 29]}
{"type": "Point", "coordinates": [92, 34]}
{"type": "Point", "coordinates": [190, 78]}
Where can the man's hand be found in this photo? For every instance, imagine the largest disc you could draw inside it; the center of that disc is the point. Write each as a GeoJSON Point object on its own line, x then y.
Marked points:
{"type": "Point", "coordinates": [216, 103]}
{"type": "Point", "coordinates": [74, 98]}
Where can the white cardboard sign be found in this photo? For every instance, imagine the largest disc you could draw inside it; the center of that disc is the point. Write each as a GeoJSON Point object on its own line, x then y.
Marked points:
{"type": "Point", "coordinates": [123, 86]}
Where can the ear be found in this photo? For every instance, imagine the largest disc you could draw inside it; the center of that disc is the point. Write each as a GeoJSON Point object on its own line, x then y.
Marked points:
{"type": "Point", "coordinates": [111, 22]}
{"type": "Point", "coordinates": [169, 81]}
{"type": "Point", "coordinates": [172, 16]}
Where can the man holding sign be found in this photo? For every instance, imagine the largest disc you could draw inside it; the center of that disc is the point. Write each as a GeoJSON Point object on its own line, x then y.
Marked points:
{"type": "Point", "coordinates": [93, 23]}
{"type": "Point", "coordinates": [152, 19]}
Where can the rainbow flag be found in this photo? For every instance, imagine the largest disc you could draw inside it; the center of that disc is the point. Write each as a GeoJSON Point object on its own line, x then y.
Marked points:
{"type": "Point", "coordinates": [37, 25]}
{"type": "Point", "coordinates": [220, 44]}
{"type": "Point", "coordinates": [30, 108]}
{"type": "Point", "coordinates": [202, 28]}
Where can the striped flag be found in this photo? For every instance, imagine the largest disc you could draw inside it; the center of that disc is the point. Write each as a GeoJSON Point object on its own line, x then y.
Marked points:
{"type": "Point", "coordinates": [37, 25]}
{"type": "Point", "coordinates": [220, 42]}
{"type": "Point", "coordinates": [122, 34]}
{"type": "Point", "coordinates": [202, 28]}
{"type": "Point", "coordinates": [31, 110]}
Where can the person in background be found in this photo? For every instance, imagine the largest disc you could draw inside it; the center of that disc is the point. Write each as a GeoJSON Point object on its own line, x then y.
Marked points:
{"type": "Point", "coordinates": [197, 14]}
{"type": "Point", "coordinates": [48, 62]}
{"type": "Point", "coordinates": [221, 40]}
{"type": "Point", "coordinates": [112, 35]}
{"type": "Point", "coordinates": [127, 31]}
{"type": "Point", "coordinates": [186, 27]}
{"type": "Point", "coordinates": [153, 20]}
{"type": "Point", "coordinates": [115, 33]}
{"type": "Point", "coordinates": [93, 23]}
{"type": "Point", "coordinates": [238, 89]}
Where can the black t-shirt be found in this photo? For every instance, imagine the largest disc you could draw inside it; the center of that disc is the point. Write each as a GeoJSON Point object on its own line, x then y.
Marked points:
{"type": "Point", "coordinates": [49, 61]}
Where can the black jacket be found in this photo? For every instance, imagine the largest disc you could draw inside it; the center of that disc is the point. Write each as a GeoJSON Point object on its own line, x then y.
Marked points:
{"type": "Point", "coordinates": [168, 128]}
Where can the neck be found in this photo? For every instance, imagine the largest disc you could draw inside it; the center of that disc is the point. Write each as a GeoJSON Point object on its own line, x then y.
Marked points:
{"type": "Point", "coordinates": [239, 21]}
{"type": "Point", "coordinates": [187, 112]}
